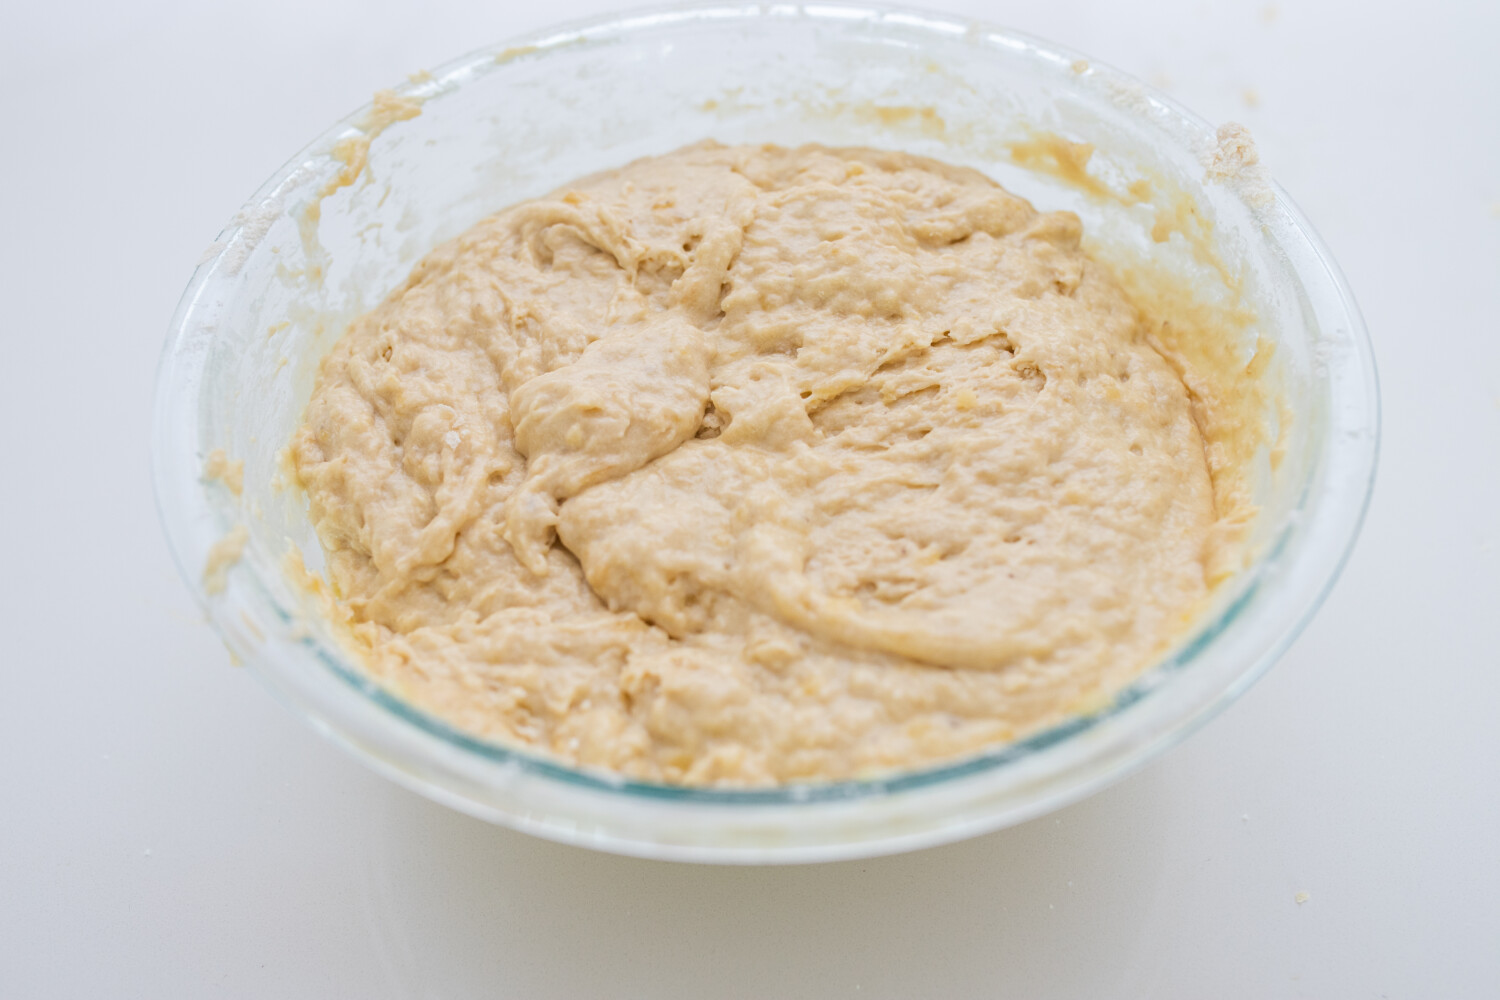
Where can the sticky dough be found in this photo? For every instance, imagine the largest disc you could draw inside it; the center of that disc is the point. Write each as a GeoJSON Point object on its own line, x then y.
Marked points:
{"type": "Point", "coordinates": [751, 465]}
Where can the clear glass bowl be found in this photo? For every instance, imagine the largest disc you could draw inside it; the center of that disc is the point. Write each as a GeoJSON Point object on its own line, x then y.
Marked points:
{"type": "Point", "coordinates": [515, 121]}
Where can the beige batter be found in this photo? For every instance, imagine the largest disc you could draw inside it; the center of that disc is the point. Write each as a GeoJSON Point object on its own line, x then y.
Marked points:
{"type": "Point", "coordinates": [750, 465]}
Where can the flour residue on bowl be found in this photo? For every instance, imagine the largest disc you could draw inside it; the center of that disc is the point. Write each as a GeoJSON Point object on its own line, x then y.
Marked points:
{"type": "Point", "coordinates": [222, 556]}
{"type": "Point", "coordinates": [219, 467]}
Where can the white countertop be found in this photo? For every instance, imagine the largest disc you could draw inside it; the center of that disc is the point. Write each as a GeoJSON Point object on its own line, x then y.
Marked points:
{"type": "Point", "coordinates": [170, 831]}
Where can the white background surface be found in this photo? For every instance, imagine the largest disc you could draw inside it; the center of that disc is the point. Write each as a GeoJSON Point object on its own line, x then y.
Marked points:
{"type": "Point", "coordinates": [167, 830]}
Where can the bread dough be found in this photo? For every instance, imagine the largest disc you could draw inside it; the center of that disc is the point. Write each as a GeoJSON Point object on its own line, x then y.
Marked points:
{"type": "Point", "coordinates": [748, 465]}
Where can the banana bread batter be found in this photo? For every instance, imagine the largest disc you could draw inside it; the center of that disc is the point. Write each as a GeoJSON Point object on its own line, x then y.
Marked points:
{"type": "Point", "coordinates": [747, 465]}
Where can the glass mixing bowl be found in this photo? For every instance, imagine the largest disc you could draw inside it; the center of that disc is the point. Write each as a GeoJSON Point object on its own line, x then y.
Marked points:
{"type": "Point", "coordinates": [517, 120]}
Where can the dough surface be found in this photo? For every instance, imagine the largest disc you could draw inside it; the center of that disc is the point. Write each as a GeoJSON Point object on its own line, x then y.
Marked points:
{"type": "Point", "coordinates": [748, 465]}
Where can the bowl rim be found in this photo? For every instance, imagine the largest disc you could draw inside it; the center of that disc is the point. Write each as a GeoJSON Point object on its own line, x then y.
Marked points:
{"type": "Point", "coordinates": [1361, 451]}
